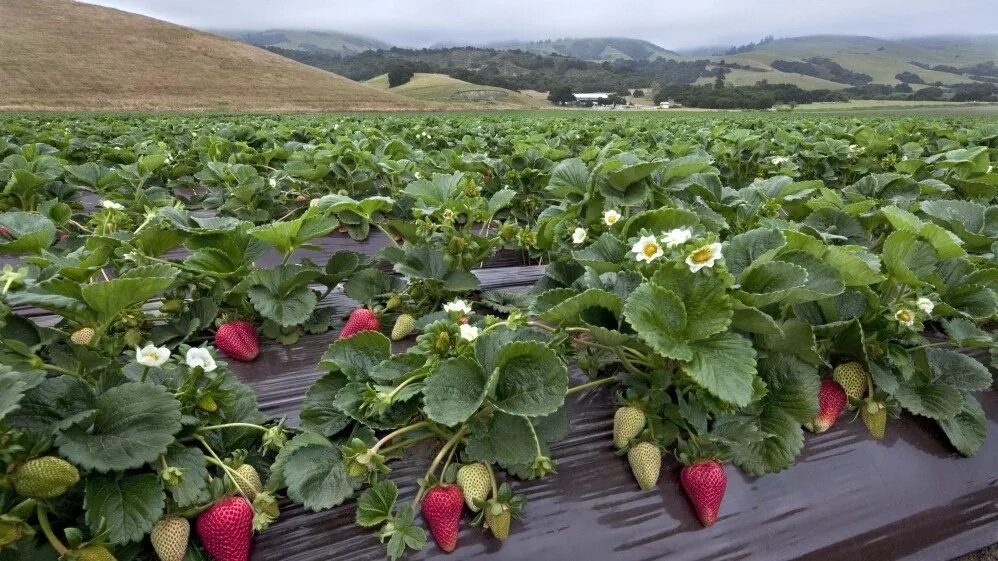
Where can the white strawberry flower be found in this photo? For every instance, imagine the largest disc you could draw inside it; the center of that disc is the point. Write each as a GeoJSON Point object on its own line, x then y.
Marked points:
{"type": "Point", "coordinates": [704, 257]}
{"type": "Point", "coordinates": [458, 306]}
{"type": "Point", "coordinates": [579, 236]}
{"type": "Point", "coordinates": [151, 355]}
{"type": "Point", "coordinates": [272, 182]}
{"type": "Point", "coordinates": [779, 160]}
{"type": "Point", "coordinates": [677, 237]}
{"type": "Point", "coordinates": [199, 356]}
{"type": "Point", "coordinates": [468, 332]}
{"type": "Point", "coordinates": [647, 249]}
{"type": "Point", "coordinates": [611, 217]}
{"type": "Point", "coordinates": [925, 305]}
{"type": "Point", "coordinates": [111, 205]}
{"type": "Point", "coordinates": [905, 317]}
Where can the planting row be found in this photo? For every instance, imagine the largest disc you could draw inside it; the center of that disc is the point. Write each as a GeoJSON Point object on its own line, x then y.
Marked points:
{"type": "Point", "coordinates": [736, 283]}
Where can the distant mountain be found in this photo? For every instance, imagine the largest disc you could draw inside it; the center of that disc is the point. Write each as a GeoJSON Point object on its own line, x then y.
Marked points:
{"type": "Point", "coordinates": [327, 42]}
{"type": "Point", "coordinates": [596, 49]}
{"type": "Point", "coordinates": [946, 60]}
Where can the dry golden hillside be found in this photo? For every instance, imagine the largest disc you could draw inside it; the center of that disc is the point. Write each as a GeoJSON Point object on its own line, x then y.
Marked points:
{"type": "Point", "coordinates": [59, 54]}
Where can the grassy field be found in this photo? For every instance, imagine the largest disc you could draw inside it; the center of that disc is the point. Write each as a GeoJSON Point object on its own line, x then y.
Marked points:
{"type": "Point", "coordinates": [58, 54]}
{"type": "Point", "coordinates": [440, 88]}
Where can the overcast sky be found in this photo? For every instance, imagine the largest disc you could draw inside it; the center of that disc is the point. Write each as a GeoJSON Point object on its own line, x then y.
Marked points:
{"type": "Point", "coordinates": [669, 23]}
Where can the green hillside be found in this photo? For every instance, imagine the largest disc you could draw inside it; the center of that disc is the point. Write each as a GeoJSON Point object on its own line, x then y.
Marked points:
{"type": "Point", "coordinates": [881, 59]}
{"type": "Point", "coordinates": [329, 42]}
{"type": "Point", "coordinates": [594, 48]}
{"type": "Point", "coordinates": [442, 88]}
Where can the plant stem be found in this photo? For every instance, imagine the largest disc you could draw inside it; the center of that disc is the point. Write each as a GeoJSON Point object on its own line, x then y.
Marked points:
{"type": "Point", "coordinates": [234, 426]}
{"type": "Point", "coordinates": [492, 480]}
{"type": "Point", "coordinates": [406, 443]}
{"type": "Point", "coordinates": [587, 385]}
{"type": "Point", "coordinates": [225, 469]}
{"type": "Point", "coordinates": [390, 237]}
{"type": "Point", "coordinates": [60, 370]}
{"type": "Point", "coordinates": [929, 345]}
{"type": "Point", "coordinates": [398, 432]}
{"type": "Point", "coordinates": [436, 461]}
{"type": "Point", "coordinates": [43, 521]}
{"type": "Point", "coordinates": [405, 383]}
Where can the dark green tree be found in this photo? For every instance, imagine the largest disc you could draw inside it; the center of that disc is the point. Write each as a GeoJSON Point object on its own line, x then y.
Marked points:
{"type": "Point", "coordinates": [400, 74]}
{"type": "Point", "coordinates": [561, 94]}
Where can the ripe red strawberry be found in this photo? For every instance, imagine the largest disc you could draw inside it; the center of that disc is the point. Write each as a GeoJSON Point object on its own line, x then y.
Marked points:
{"type": "Point", "coordinates": [442, 508]}
{"type": "Point", "coordinates": [237, 339]}
{"type": "Point", "coordinates": [831, 402]}
{"type": "Point", "coordinates": [226, 529]}
{"type": "Point", "coordinates": [360, 319]}
{"type": "Point", "coordinates": [704, 483]}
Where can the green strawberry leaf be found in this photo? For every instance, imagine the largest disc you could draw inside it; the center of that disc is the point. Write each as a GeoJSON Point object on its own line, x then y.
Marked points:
{"type": "Point", "coordinates": [784, 441]}
{"type": "Point", "coordinates": [530, 379]}
{"type": "Point", "coordinates": [504, 439]}
{"type": "Point", "coordinates": [316, 477]}
{"type": "Point", "coordinates": [193, 487]}
{"type": "Point", "coordinates": [708, 307]}
{"type": "Point", "coordinates": [744, 249]}
{"type": "Point", "coordinates": [376, 503]}
{"type": "Point", "coordinates": [405, 534]}
{"type": "Point", "coordinates": [573, 311]}
{"type": "Point", "coordinates": [766, 283]}
{"type": "Point", "coordinates": [725, 366]}
{"type": "Point", "coordinates": [967, 430]}
{"type": "Point", "coordinates": [45, 406]}
{"type": "Point", "coordinates": [958, 370]}
{"type": "Point", "coordinates": [127, 506]}
{"type": "Point", "coordinates": [13, 386]}
{"type": "Point", "coordinates": [318, 413]}
{"type": "Point", "coordinates": [454, 391]}
{"type": "Point", "coordinates": [109, 298]}
{"type": "Point", "coordinates": [791, 385]}
{"type": "Point", "coordinates": [356, 356]}
{"type": "Point", "coordinates": [282, 294]}
{"type": "Point", "coordinates": [908, 259]}
{"type": "Point", "coordinates": [132, 424]}
{"type": "Point", "coordinates": [659, 318]}
{"type": "Point", "coordinates": [32, 232]}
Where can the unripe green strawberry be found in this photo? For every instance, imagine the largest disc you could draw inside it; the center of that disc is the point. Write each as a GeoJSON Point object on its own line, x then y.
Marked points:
{"type": "Point", "coordinates": [133, 338]}
{"type": "Point", "coordinates": [207, 403]}
{"type": "Point", "coordinates": [403, 327]}
{"type": "Point", "coordinates": [874, 416]}
{"type": "Point", "coordinates": [646, 463]}
{"type": "Point", "coordinates": [169, 538]}
{"type": "Point", "coordinates": [475, 482]}
{"type": "Point", "coordinates": [248, 481]}
{"type": "Point", "coordinates": [497, 517]}
{"type": "Point", "coordinates": [852, 378]}
{"type": "Point", "coordinates": [46, 477]}
{"type": "Point", "coordinates": [82, 336]}
{"type": "Point", "coordinates": [10, 532]}
{"type": "Point", "coordinates": [393, 302]}
{"type": "Point", "coordinates": [628, 422]}
{"type": "Point", "coordinates": [94, 553]}
{"type": "Point", "coordinates": [356, 469]}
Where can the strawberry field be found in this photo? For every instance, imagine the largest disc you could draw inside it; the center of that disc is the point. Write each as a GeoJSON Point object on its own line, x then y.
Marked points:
{"type": "Point", "coordinates": [368, 336]}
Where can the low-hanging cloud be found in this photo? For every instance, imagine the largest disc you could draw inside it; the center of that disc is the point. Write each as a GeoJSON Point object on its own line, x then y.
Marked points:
{"type": "Point", "coordinates": [671, 24]}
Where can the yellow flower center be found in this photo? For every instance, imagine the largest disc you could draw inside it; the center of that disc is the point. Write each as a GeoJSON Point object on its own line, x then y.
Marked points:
{"type": "Point", "coordinates": [611, 219]}
{"type": "Point", "coordinates": [650, 249]}
{"type": "Point", "coordinates": [702, 255]}
{"type": "Point", "coordinates": [904, 315]}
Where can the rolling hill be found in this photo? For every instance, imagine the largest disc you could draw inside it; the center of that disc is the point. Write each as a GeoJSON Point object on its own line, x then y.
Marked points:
{"type": "Point", "coordinates": [444, 89]}
{"type": "Point", "coordinates": [596, 49]}
{"type": "Point", "coordinates": [881, 59]}
{"type": "Point", "coordinates": [59, 54]}
{"type": "Point", "coordinates": [329, 42]}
